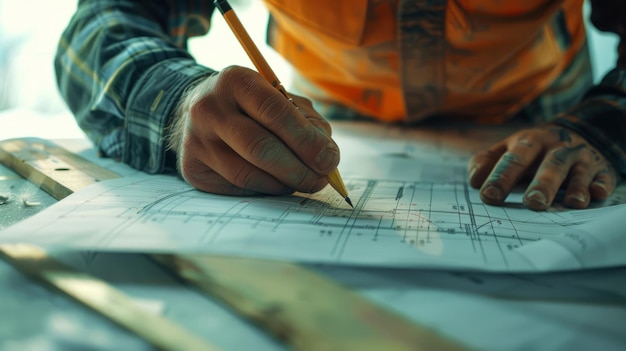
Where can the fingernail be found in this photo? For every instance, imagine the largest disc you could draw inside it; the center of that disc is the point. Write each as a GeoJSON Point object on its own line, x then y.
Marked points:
{"type": "Point", "coordinates": [536, 197]}
{"type": "Point", "coordinates": [493, 192]}
{"type": "Point", "coordinates": [327, 158]}
{"type": "Point", "coordinates": [600, 185]}
{"type": "Point", "coordinates": [472, 172]}
{"type": "Point", "coordinates": [577, 197]}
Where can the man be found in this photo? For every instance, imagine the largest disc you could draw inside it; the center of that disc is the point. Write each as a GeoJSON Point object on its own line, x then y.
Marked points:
{"type": "Point", "coordinates": [124, 71]}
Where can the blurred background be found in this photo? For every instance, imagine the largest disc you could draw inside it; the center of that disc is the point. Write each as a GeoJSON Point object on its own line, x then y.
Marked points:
{"type": "Point", "coordinates": [30, 104]}
{"type": "Point", "coordinates": [29, 30]}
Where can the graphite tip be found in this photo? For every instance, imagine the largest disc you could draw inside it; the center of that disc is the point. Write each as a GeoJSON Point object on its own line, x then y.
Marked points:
{"type": "Point", "coordinates": [349, 202]}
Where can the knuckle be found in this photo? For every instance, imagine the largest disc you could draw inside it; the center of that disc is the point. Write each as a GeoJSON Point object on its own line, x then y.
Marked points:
{"type": "Point", "coordinates": [320, 124]}
{"type": "Point", "coordinates": [564, 153]}
{"type": "Point", "coordinates": [245, 178]}
{"type": "Point", "coordinates": [503, 180]}
{"type": "Point", "coordinates": [265, 149]}
{"type": "Point", "coordinates": [325, 125]}
{"type": "Point", "coordinates": [296, 176]}
{"type": "Point", "coordinates": [489, 154]}
{"type": "Point", "coordinates": [512, 159]}
{"type": "Point", "coordinates": [557, 157]}
{"type": "Point", "coordinates": [235, 80]}
{"type": "Point", "coordinates": [274, 111]}
{"type": "Point", "coordinates": [581, 169]}
{"type": "Point", "coordinates": [306, 138]}
{"type": "Point", "coordinates": [232, 74]}
{"type": "Point", "coordinates": [527, 140]}
{"type": "Point", "coordinates": [302, 181]}
{"type": "Point", "coordinates": [302, 101]}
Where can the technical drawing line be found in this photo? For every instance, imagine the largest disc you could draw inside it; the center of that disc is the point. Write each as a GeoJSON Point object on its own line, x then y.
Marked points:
{"type": "Point", "coordinates": [400, 193]}
{"type": "Point", "coordinates": [394, 223]}
{"type": "Point", "coordinates": [148, 207]}
{"type": "Point", "coordinates": [357, 211]}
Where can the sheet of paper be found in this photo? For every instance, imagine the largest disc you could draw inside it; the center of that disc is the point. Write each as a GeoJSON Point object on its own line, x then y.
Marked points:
{"type": "Point", "coordinates": [408, 213]}
{"type": "Point", "coordinates": [582, 310]}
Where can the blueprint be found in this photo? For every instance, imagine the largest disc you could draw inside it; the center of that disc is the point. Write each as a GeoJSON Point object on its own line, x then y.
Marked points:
{"type": "Point", "coordinates": [413, 208]}
{"type": "Point", "coordinates": [434, 222]}
{"type": "Point", "coordinates": [578, 309]}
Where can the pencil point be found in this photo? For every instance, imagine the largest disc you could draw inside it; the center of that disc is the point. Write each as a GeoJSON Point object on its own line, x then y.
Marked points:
{"type": "Point", "coordinates": [349, 202]}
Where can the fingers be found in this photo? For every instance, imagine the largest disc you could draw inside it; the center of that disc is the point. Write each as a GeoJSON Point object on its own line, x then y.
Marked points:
{"type": "Point", "coordinates": [243, 134]}
{"type": "Point", "coordinates": [231, 166]}
{"type": "Point", "coordinates": [562, 159]}
{"type": "Point", "coordinates": [507, 168]}
{"type": "Point", "coordinates": [603, 184]}
{"type": "Point", "coordinates": [586, 174]}
{"type": "Point", "coordinates": [230, 174]}
{"type": "Point", "coordinates": [267, 107]}
{"type": "Point", "coordinates": [586, 185]}
{"type": "Point", "coordinates": [482, 163]}
{"type": "Point", "coordinates": [306, 108]}
{"type": "Point", "coordinates": [577, 194]}
{"type": "Point", "coordinates": [197, 174]}
{"type": "Point", "coordinates": [551, 174]}
{"type": "Point", "coordinates": [255, 146]}
{"type": "Point", "coordinates": [207, 180]}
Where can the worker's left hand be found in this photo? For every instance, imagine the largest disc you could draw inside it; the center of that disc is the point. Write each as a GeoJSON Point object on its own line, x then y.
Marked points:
{"type": "Point", "coordinates": [553, 157]}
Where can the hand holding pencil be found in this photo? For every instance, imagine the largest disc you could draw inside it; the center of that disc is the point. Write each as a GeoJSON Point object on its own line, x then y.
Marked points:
{"type": "Point", "coordinates": [266, 71]}
{"type": "Point", "coordinates": [239, 133]}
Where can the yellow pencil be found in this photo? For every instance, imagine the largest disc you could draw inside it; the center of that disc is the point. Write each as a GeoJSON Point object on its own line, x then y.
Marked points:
{"type": "Point", "coordinates": [334, 179]}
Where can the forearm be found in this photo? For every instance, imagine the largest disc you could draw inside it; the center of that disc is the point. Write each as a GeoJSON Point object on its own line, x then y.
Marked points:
{"type": "Point", "coordinates": [601, 119]}
{"type": "Point", "coordinates": [601, 115]}
{"type": "Point", "coordinates": [121, 67]}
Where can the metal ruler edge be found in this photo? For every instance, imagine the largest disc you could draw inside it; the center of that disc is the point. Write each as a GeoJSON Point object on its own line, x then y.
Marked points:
{"type": "Point", "coordinates": [296, 305]}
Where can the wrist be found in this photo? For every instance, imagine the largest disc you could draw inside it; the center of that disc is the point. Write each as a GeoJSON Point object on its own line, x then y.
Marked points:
{"type": "Point", "coordinates": [178, 121]}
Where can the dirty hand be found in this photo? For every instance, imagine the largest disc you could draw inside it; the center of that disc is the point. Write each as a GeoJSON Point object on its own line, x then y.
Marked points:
{"type": "Point", "coordinates": [235, 134]}
{"type": "Point", "coordinates": [553, 157]}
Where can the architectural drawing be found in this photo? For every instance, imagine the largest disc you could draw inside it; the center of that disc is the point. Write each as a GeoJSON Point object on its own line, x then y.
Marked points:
{"type": "Point", "coordinates": [394, 223]}
{"type": "Point", "coordinates": [413, 208]}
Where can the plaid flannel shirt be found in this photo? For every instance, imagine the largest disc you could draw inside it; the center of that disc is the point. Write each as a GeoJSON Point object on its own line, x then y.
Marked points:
{"type": "Point", "coordinates": [122, 67]}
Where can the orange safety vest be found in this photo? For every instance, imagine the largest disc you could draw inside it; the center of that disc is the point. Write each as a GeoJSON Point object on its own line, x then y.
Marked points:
{"type": "Point", "coordinates": [400, 60]}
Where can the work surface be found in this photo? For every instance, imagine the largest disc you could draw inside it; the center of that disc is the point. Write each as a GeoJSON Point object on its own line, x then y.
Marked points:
{"type": "Point", "coordinates": [583, 309]}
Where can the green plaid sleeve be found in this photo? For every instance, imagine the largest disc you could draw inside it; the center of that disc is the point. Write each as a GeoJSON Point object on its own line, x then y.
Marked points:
{"type": "Point", "coordinates": [121, 67]}
{"type": "Point", "coordinates": [601, 115]}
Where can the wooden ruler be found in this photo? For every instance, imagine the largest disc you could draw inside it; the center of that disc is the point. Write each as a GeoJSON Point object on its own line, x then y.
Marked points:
{"type": "Point", "coordinates": [299, 307]}
{"type": "Point", "coordinates": [102, 298]}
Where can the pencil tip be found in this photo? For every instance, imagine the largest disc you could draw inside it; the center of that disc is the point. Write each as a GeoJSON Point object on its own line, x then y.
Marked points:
{"type": "Point", "coordinates": [349, 202]}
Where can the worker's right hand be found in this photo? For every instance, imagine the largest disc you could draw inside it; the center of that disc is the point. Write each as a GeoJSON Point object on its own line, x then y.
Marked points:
{"type": "Point", "coordinates": [236, 134]}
